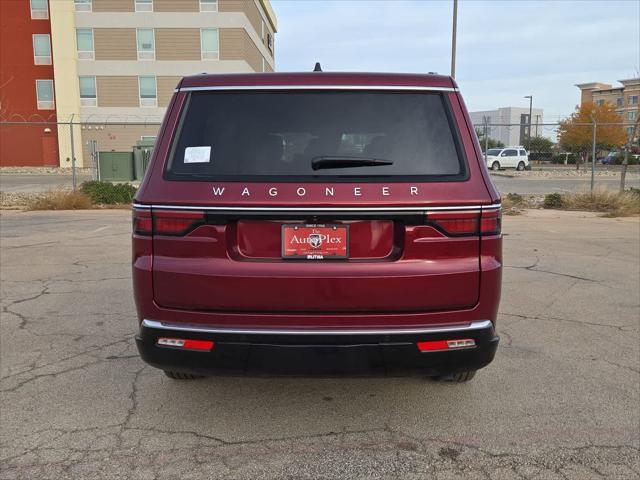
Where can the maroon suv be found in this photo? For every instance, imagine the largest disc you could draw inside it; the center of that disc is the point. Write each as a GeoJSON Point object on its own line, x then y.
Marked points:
{"type": "Point", "coordinates": [317, 223]}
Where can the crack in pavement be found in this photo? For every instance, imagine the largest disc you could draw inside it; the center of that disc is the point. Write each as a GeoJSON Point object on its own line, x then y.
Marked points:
{"type": "Point", "coordinates": [23, 318]}
{"type": "Point", "coordinates": [333, 454]}
{"type": "Point", "coordinates": [531, 268]}
{"type": "Point", "coordinates": [87, 352]}
{"type": "Point", "coordinates": [30, 245]}
{"type": "Point", "coordinates": [570, 320]}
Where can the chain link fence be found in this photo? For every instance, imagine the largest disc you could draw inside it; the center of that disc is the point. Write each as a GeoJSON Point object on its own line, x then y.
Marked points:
{"type": "Point", "coordinates": [110, 151]}
{"type": "Point", "coordinates": [120, 151]}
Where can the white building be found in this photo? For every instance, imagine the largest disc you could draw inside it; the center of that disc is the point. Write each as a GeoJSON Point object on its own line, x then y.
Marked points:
{"type": "Point", "coordinates": [509, 125]}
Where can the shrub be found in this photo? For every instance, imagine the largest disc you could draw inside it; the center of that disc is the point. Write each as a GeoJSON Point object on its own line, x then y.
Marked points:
{"type": "Point", "coordinates": [515, 198]}
{"type": "Point", "coordinates": [619, 158]}
{"type": "Point", "coordinates": [552, 200]}
{"type": "Point", "coordinates": [108, 193]}
{"type": "Point", "coordinates": [614, 204]}
{"type": "Point", "coordinates": [60, 200]}
{"type": "Point", "coordinates": [512, 204]}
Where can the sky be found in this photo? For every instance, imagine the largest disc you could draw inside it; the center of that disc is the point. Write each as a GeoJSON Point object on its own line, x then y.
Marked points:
{"type": "Point", "coordinates": [506, 49]}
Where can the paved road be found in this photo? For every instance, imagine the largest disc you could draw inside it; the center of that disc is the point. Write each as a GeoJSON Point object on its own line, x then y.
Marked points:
{"type": "Point", "coordinates": [521, 183]}
{"type": "Point", "coordinates": [30, 183]}
{"type": "Point", "coordinates": [560, 401]}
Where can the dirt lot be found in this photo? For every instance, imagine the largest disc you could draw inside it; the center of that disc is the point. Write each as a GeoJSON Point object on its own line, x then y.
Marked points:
{"type": "Point", "coordinates": [561, 400]}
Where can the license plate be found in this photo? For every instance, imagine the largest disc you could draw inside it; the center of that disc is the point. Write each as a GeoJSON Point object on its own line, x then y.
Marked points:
{"type": "Point", "coordinates": [315, 242]}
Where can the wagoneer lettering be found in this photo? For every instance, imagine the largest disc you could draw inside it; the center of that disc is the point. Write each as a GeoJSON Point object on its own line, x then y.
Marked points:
{"type": "Point", "coordinates": [327, 192]}
{"type": "Point", "coordinates": [346, 223]}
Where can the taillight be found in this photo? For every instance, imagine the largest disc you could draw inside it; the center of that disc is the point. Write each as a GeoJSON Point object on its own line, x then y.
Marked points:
{"type": "Point", "coordinates": [457, 224]}
{"type": "Point", "coordinates": [166, 222]}
{"type": "Point", "coordinates": [491, 222]}
{"type": "Point", "coordinates": [176, 222]}
{"type": "Point", "coordinates": [142, 222]}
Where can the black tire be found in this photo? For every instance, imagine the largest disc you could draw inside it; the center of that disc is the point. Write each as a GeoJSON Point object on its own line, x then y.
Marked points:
{"type": "Point", "coordinates": [495, 166]}
{"type": "Point", "coordinates": [520, 166]}
{"type": "Point", "coordinates": [181, 376]}
{"type": "Point", "coordinates": [459, 377]}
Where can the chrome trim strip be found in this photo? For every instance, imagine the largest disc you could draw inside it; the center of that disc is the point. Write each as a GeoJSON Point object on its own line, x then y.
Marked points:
{"type": "Point", "coordinates": [315, 209]}
{"type": "Point", "coordinates": [495, 206]}
{"type": "Point", "coordinates": [276, 331]}
{"type": "Point", "coordinates": [318, 87]}
{"type": "Point", "coordinates": [138, 206]}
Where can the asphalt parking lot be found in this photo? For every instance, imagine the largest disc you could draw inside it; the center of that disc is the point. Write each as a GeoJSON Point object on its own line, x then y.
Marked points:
{"type": "Point", "coordinates": [560, 401]}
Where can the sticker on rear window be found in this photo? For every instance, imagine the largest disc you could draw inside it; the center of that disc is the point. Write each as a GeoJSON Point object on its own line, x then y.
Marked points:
{"type": "Point", "coordinates": [197, 154]}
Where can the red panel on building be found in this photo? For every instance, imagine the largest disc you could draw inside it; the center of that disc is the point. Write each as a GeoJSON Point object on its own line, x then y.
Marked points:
{"type": "Point", "coordinates": [24, 144]}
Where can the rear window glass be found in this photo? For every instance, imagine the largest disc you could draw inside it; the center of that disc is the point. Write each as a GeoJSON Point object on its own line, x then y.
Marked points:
{"type": "Point", "coordinates": [306, 135]}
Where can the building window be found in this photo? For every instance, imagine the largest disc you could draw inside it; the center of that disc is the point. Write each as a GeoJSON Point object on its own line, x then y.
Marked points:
{"type": "Point", "coordinates": [44, 94]}
{"type": "Point", "coordinates": [270, 42]}
{"type": "Point", "coordinates": [619, 102]}
{"type": "Point", "coordinates": [148, 91]}
{"type": "Point", "coordinates": [599, 103]}
{"type": "Point", "coordinates": [88, 92]}
{"type": "Point", "coordinates": [209, 43]}
{"type": "Point", "coordinates": [82, 5]}
{"type": "Point", "coordinates": [632, 115]}
{"type": "Point", "coordinates": [630, 131]}
{"type": "Point", "coordinates": [84, 41]}
{"type": "Point", "coordinates": [39, 9]}
{"type": "Point", "coordinates": [146, 44]}
{"type": "Point", "coordinates": [208, 5]}
{"type": "Point", "coordinates": [633, 99]}
{"type": "Point", "coordinates": [42, 49]}
{"type": "Point", "coordinates": [144, 5]}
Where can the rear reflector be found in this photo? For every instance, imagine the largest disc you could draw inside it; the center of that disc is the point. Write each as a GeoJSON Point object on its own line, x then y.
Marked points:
{"type": "Point", "coordinates": [186, 343]}
{"type": "Point", "coordinates": [439, 345]}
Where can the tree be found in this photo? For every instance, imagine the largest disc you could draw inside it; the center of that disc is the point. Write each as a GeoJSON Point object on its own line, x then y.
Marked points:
{"type": "Point", "coordinates": [628, 148]}
{"type": "Point", "coordinates": [540, 144]}
{"type": "Point", "coordinates": [575, 134]}
{"type": "Point", "coordinates": [491, 142]}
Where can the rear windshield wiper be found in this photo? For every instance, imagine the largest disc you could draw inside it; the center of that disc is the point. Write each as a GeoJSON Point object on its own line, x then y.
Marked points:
{"type": "Point", "coordinates": [325, 161]}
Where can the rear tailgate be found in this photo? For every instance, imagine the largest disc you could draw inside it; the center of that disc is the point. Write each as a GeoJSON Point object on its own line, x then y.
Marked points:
{"type": "Point", "coordinates": [394, 265]}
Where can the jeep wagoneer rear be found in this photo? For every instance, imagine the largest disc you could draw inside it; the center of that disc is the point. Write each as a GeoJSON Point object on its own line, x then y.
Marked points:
{"type": "Point", "coordinates": [317, 223]}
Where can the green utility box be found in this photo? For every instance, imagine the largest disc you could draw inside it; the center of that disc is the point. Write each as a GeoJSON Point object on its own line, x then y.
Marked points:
{"type": "Point", "coordinates": [115, 166]}
{"type": "Point", "coordinates": [141, 156]}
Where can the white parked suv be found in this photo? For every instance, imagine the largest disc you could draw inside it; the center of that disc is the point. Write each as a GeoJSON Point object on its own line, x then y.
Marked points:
{"type": "Point", "coordinates": [507, 157]}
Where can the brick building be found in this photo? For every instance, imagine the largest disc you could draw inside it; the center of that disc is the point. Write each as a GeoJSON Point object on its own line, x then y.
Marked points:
{"type": "Point", "coordinates": [26, 84]}
{"type": "Point", "coordinates": [624, 98]}
{"type": "Point", "coordinates": [120, 60]}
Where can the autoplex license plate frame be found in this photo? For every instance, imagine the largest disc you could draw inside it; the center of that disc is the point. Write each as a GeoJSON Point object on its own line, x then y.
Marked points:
{"type": "Point", "coordinates": [316, 242]}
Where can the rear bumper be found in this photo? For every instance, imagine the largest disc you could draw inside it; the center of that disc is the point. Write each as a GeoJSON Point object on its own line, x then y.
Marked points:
{"type": "Point", "coordinates": [301, 352]}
